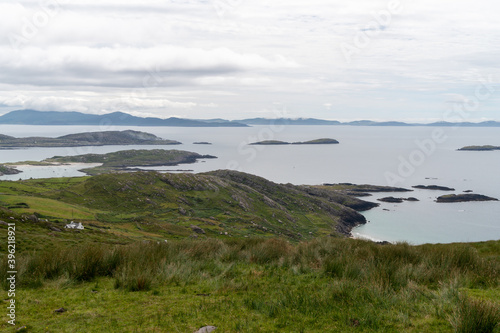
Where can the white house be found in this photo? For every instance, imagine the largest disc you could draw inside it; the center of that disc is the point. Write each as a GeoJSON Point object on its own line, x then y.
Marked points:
{"type": "Point", "coordinates": [74, 225]}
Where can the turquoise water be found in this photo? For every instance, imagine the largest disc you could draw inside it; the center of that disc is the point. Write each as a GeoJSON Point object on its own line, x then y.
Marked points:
{"type": "Point", "coordinates": [399, 156]}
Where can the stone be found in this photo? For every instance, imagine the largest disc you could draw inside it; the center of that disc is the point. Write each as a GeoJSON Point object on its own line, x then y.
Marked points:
{"type": "Point", "coordinates": [206, 329]}
{"type": "Point", "coordinates": [197, 229]}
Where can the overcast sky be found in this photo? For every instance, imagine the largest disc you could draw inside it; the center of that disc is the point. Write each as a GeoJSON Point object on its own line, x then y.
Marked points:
{"type": "Point", "coordinates": [334, 59]}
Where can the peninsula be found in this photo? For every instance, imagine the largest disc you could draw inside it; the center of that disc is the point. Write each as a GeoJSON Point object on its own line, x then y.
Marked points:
{"type": "Point", "coordinates": [122, 161]}
{"type": "Point", "coordinates": [106, 138]}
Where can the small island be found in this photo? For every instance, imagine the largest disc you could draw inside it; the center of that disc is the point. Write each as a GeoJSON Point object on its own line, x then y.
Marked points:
{"type": "Point", "coordinates": [122, 161]}
{"type": "Point", "coordinates": [6, 170]}
{"type": "Point", "coordinates": [480, 148]}
{"type": "Point", "coordinates": [397, 200]}
{"type": "Point", "coordinates": [464, 198]}
{"type": "Point", "coordinates": [202, 143]}
{"type": "Point", "coordinates": [105, 138]}
{"type": "Point", "coordinates": [434, 188]}
{"type": "Point", "coordinates": [362, 190]}
{"type": "Point", "coordinates": [324, 141]}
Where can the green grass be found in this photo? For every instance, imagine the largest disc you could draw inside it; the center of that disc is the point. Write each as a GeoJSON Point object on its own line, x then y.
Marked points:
{"type": "Point", "coordinates": [280, 267]}
{"type": "Point", "coordinates": [258, 285]}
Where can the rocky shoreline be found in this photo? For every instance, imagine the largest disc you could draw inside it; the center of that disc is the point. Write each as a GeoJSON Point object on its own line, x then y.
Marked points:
{"type": "Point", "coordinates": [5, 170]}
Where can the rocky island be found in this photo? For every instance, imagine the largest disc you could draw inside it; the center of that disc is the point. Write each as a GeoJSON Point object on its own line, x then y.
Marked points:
{"type": "Point", "coordinates": [362, 190]}
{"type": "Point", "coordinates": [106, 138]}
{"type": "Point", "coordinates": [324, 141]}
{"type": "Point", "coordinates": [122, 161]}
{"type": "Point", "coordinates": [6, 170]}
{"type": "Point", "coordinates": [434, 188]}
{"type": "Point", "coordinates": [480, 148]}
{"type": "Point", "coordinates": [397, 200]}
{"type": "Point", "coordinates": [464, 198]}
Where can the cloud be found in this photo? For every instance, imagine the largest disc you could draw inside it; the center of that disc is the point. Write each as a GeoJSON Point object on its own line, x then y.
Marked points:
{"type": "Point", "coordinates": [92, 105]}
{"type": "Point", "coordinates": [74, 64]}
{"type": "Point", "coordinates": [183, 55]}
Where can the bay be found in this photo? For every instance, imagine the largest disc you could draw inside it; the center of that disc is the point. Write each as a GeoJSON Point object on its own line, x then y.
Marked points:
{"type": "Point", "coordinates": [399, 156]}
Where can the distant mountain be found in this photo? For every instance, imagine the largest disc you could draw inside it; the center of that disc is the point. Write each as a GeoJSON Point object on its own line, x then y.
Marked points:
{"type": "Point", "coordinates": [288, 121]}
{"type": "Point", "coordinates": [465, 124]}
{"type": "Point", "coordinates": [33, 117]}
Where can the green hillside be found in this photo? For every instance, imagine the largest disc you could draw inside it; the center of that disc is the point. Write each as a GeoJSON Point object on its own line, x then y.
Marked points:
{"type": "Point", "coordinates": [176, 252]}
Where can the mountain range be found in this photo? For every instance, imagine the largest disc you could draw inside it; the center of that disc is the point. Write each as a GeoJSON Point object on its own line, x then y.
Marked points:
{"type": "Point", "coordinates": [33, 117]}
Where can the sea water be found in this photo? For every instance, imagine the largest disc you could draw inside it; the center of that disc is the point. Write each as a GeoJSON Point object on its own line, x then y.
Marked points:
{"type": "Point", "coordinates": [396, 156]}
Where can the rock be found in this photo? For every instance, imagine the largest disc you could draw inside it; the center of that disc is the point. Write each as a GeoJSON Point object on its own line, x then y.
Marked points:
{"type": "Point", "coordinates": [434, 187]}
{"type": "Point", "coordinates": [391, 199]}
{"type": "Point", "coordinates": [206, 329]}
{"type": "Point", "coordinates": [468, 191]}
{"type": "Point", "coordinates": [412, 199]}
{"type": "Point", "coordinates": [60, 310]}
{"type": "Point", "coordinates": [3, 223]}
{"type": "Point", "coordinates": [33, 218]}
{"type": "Point", "coordinates": [22, 329]}
{"type": "Point", "coordinates": [464, 198]}
{"type": "Point", "coordinates": [182, 211]}
{"type": "Point", "coordinates": [197, 229]}
{"type": "Point", "coordinates": [55, 229]}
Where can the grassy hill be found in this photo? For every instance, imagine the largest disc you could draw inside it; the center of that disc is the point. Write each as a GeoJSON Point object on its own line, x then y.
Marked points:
{"type": "Point", "coordinates": [105, 138]}
{"type": "Point", "coordinates": [176, 252]}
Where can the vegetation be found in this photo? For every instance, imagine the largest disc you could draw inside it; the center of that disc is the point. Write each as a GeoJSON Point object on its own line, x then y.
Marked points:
{"type": "Point", "coordinates": [223, 204]}
{"type": "Point", "coordinates": [121, 160]}
{"type": "Point", "coordinates": [127, 137]}
{"type": "Point", "coordinates": [257, 285]}
{"type": "Point", "coordinates": [176, 252]}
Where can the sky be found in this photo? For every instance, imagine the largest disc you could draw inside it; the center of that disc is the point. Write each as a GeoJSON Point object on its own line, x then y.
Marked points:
{"type": "Point", "coordinates": [416, 61]}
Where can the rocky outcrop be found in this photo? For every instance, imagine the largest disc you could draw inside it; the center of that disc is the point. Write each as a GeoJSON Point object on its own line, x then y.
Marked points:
{"type": "Point", "coordinates": [5, 170]}
{"type": "Point", "coordinates": [464, 198]}
{"type": "Point", "coordinates": [434, 187]}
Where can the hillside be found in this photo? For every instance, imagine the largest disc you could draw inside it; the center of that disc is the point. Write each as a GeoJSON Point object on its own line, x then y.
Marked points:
{"type": "Point", "coordinates": [161, 206]}
{"type": "Point", "coordinates": [106, 138]}
{"type": "Point", "coordinates": [178, 252]}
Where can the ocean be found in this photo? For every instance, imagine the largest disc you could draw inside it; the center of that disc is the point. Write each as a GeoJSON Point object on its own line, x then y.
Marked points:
{"type": "Point", "coordinates": [395, 156]}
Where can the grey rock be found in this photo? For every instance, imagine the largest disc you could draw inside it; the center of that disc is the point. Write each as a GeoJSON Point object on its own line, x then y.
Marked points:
{"type": "Point", "coordinates": [206, 329]}
{"type": "Point", "coordinates": [197, 229]}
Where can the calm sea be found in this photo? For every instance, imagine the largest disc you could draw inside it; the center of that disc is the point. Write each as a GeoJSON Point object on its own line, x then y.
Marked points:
{"type": "Point", "coordinates": [398, 156]}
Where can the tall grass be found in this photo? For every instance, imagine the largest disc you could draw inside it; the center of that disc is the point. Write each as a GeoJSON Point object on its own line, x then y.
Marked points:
{"type": "Point", "coordinates": [476, 316]}
{"type": "Point", "coordinates": [387, 266]}
{"type": "Point", "coordinates": [346, 283]}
